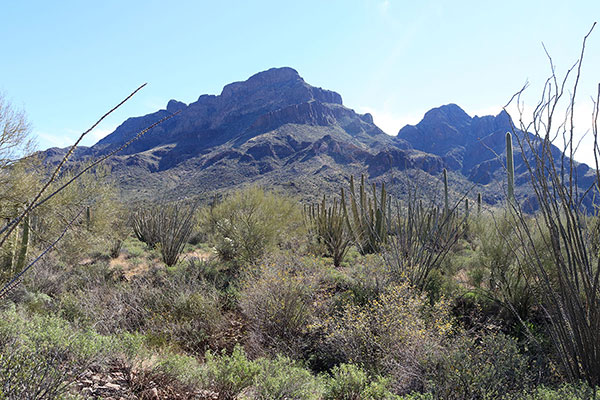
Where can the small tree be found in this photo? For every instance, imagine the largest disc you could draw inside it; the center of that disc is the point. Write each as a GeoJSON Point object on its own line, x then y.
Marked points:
{"type": "Point", "coordinates": [15, 139]}
{"type": "Point", "coordinates": [250, 221]}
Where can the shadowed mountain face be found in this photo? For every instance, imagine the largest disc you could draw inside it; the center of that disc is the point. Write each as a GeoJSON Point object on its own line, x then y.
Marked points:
{"type": "Point", "coordinates": [275, 129]}
{"type": "Point", "coordinates": [475, 147]}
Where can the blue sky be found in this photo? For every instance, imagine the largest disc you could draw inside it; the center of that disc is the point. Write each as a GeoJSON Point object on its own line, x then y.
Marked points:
{"type": "Point", "coordinates": [65, 63]}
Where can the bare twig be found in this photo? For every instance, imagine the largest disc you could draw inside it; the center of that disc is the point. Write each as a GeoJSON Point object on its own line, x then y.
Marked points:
{"type": "Point", "coordinates": [17, 278]}
{"type": "Point", "coordinates": [10, 227]}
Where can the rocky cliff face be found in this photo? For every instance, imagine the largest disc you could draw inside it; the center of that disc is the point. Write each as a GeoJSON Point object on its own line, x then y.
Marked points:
{"type": "Point", "coordinates": [462, 142]}
{"type": "Point", "coordinates": [213, 120]}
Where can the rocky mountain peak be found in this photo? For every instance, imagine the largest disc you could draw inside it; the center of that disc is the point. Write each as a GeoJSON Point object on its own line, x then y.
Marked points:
{"type": "Point", "coordinates": [174, 106]}
{"type": "Point", "coordinates": [449, 113]}
{"type": "Point", "coordinates": [279, 77]}
{"type": "Point", "coordinates": [278, 82]}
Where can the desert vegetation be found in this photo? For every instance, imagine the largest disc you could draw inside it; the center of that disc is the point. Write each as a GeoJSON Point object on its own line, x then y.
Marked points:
{"type": "Point", "coordinates": [254, 295]}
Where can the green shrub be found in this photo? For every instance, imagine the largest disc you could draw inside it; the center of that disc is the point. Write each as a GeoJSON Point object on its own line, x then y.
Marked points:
{"type": "Point", "coordinates": [565, 392]}
{"type": "Point", "coordinates": [182, 367]}
{"type": "Point", "coordinates": [282, 379]}
{"type": "Point", "coordinates": [249, 222]}
{"type": "Point", "coordinates": [41, 356]}
{"type": "Point", "coordinates": [229, 375]}
{"type": "Point", "coordinates": [487, 367]}
{"type": "Point", "coordinates": [417, 396]}
{"type": "Point", "coordinates": [278, 298]}
{"type": "Point", "coordinates": [350, 382]}
{"type": "Point", "coordinates": [235, 376]}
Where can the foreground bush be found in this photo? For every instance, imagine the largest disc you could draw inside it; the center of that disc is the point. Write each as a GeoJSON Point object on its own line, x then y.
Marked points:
{"type": "Point", "coordinates": [278, 298]}
{"type": "Point", "coordinates": [175, 306]}
{"type": "Point", "coordinates": [349, 382]}
{"type": "Point", "coordinates": [489, 367]}
{"type": "Point", "coordinates": [394, 335]}
{"type": "Point", "coordinates": [41, 356]}
{"type": "Point", "coordinates": [235, 376]}
{"type": "Point", "coordinates": [565, 392]}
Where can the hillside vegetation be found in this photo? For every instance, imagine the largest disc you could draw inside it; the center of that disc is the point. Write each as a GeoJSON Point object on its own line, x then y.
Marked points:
{"type": "Point", "coordinates": [436, 304]}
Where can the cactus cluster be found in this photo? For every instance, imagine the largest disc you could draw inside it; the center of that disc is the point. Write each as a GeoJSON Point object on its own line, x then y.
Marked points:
{"type": "Point", "coordinates": [327, 225]}
{"type": "Point", "coordinates": [368, 218]}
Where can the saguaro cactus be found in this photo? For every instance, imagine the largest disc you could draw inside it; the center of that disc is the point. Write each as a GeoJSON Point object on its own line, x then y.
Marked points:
{"type": "Point", "coordinates": [22, 254]}
{"type": "Point", "coordinates": [88, 217]}
{"type": "Point", "coordinates": [446, 200]}
{"type": "Point", "coordinates": [478, 204]}
{"type": "Point", "coordinates": [510, 168]}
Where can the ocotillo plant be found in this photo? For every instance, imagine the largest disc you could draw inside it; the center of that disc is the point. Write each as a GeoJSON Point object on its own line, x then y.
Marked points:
{"type": "Point", "coordinates": [369, 220]}
{"type": "Point", "coordinates": [328, 226]}
{"type": "Point", "coordinates": [145, 226]}
{"type": "Point", "coordinates": [510, 168]}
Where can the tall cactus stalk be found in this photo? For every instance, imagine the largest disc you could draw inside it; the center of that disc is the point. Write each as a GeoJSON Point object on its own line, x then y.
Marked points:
{"type": "Point", "coordinates": [22, 254]}
{"type": "Point", "coordinates": [478, 204]}
{"type": "Point", "coordinates": [88, 217]}
{"type": "Point", "coordinates": [466, 216]}
{"type": "Point", "coordinates": [510, 168]}
{"type": "Point", "coordinates": [369, 217]}
{"type": "Point", "coordinates": [446, 200]}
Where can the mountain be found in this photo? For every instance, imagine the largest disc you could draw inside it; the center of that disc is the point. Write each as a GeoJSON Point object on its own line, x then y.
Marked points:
{"type": "Point", "coordinates": [275, 129]}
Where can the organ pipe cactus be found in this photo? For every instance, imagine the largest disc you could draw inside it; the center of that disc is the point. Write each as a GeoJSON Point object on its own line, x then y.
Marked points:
{"type": "Point", "coordinates": [368, 219]}
{"type": "Point", "coordinates": [327, 225]}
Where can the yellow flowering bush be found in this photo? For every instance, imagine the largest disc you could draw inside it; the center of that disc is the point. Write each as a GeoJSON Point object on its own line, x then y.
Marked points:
{"type": "Point", "coordinates": [279, 300]}
{"type": "Point", "coordinates": [393, 335]}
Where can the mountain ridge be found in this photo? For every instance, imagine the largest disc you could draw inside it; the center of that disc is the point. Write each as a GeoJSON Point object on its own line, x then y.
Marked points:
{"type": "Point", "coordinates": [275, 129]}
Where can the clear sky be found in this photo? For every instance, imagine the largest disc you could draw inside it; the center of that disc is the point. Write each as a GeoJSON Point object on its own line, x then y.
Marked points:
{"type": "Point", "coordinates": [67, 62]}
